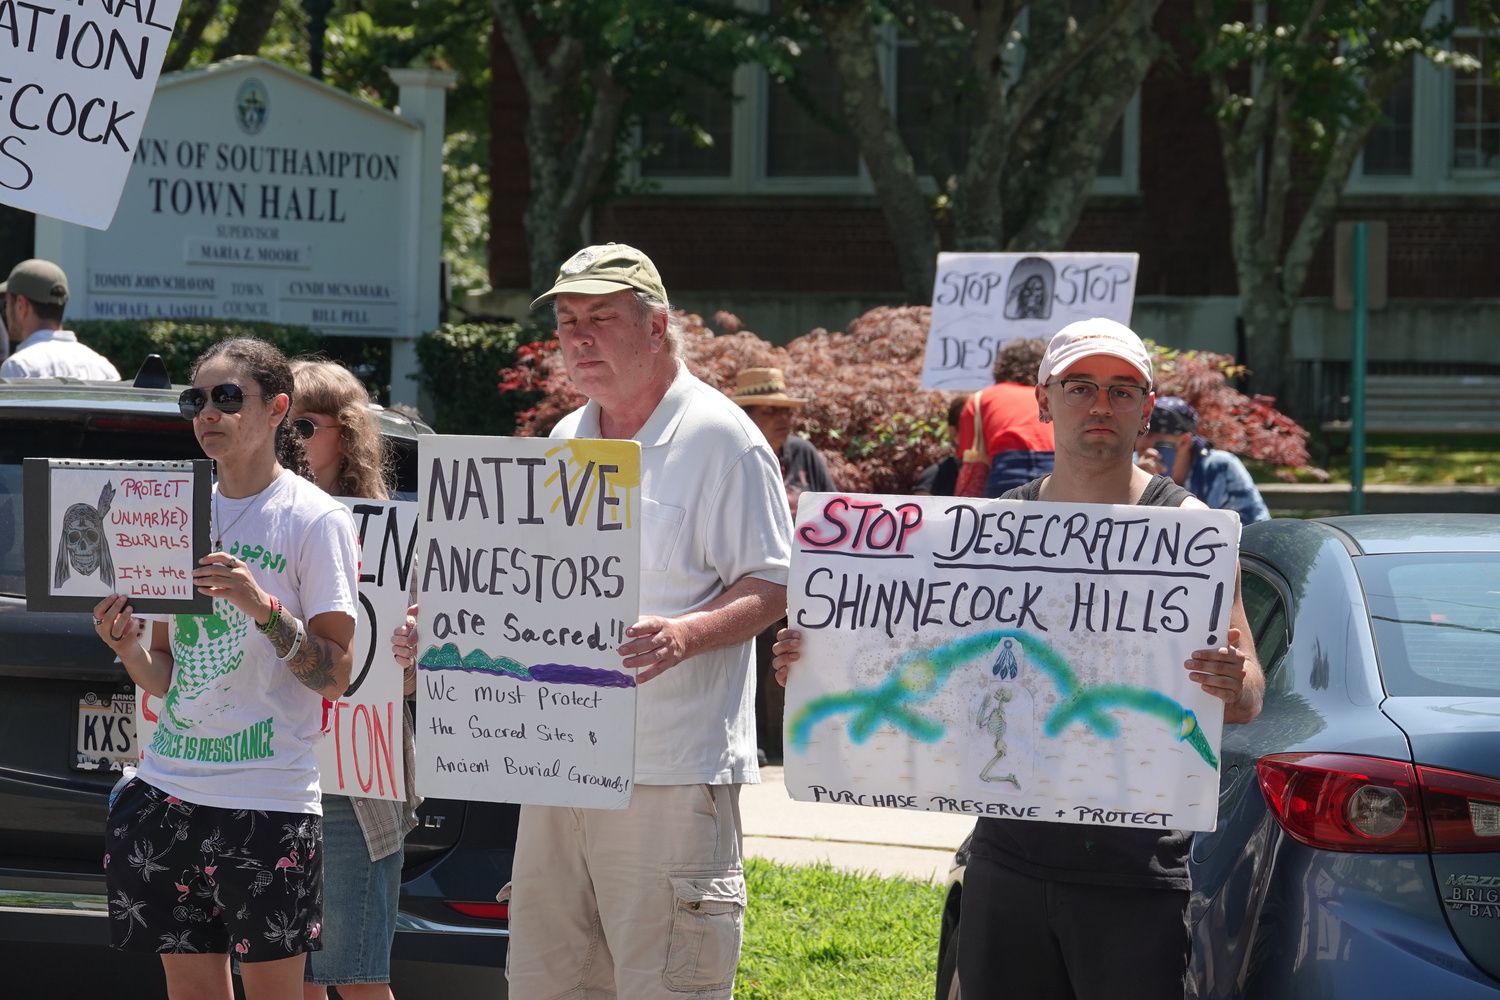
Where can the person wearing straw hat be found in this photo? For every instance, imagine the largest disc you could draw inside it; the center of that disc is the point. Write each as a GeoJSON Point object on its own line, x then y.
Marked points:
{"type": "Point", "coordinates": [762, 393]}
{"type": "Point", "coordinates": [35, 294]}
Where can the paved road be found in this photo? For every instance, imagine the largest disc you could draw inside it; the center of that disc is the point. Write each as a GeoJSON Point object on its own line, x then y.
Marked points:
{"type": "Point", "coordinates": [857, 838]}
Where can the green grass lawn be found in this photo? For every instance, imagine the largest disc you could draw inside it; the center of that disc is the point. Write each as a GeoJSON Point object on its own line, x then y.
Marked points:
{"type": "Point", "coordinates": [815, 933]}
{"type": "Point", "coordinates": [1415, 459]}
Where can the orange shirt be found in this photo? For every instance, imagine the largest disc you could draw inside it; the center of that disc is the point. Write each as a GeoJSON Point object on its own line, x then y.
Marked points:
{"type": "Point", "coordinates": [1009, 412]}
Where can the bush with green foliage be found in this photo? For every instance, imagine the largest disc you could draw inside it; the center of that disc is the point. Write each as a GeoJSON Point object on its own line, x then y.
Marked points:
{"type": "Point", "coordinates": [127, 342]}
{"type": "Point", "coordinates": [461, 363]}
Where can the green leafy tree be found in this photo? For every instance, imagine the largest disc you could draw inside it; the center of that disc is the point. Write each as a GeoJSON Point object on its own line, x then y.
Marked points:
{"type": "Point", "coordinates": [1016, 121]}
{"type": "Point", "coordinates": [1297, 90]}
{"type": "Point", "coordinates": [589, 69]}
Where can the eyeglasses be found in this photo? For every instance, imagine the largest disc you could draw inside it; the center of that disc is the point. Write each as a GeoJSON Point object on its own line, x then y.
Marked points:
{"type": "Point", "coordinates": [1081, 392]}
{"type": "Point", "coordinates": [306, 428]}
{"type": "Point", "coordinates": [227, 398]}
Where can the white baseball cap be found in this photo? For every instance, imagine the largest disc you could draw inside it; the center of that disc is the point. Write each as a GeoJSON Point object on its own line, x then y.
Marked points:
{"type": "Point", "coordinates": [1089, 337]}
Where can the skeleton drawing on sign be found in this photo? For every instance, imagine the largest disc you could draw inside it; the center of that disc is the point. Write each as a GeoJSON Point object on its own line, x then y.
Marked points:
{"type": "Point", "coordinates": [1028, 292]}
{"type": "Point", "coordinates": [83, 544]}
{"type": "Point", "coordinates": [992, 710]}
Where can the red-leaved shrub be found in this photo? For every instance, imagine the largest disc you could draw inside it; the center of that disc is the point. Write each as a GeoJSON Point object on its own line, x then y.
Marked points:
{"type": "Point", "coordinates": [868, 414]}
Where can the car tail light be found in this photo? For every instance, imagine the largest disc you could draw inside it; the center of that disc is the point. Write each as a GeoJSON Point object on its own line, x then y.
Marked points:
{"type": "Point", "coordinates": [488, 911]}
{"type": "Point", "coordinates": [1341, 802]}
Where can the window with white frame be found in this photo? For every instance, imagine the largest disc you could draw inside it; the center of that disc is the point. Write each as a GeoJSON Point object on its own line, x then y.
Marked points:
{"type": "Point", "coordinates": [767, 141]}
{"type": "Point", "coordinates": [1442, 128]}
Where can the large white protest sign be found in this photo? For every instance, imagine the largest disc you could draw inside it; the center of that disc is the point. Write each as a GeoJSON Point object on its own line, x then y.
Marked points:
{"type": "Point", "coordinates": [982, 300]}
{"type": "Point", "coordinates": [360, 753]}
{"type": "Point", "coordinates": [1003, 658]}
{"type": "Point", "coordinates": [529, 575]}
{"type": "Point", "coordinates": [96, 528]}
{"type": "Point", "coordinates": [76, 81]}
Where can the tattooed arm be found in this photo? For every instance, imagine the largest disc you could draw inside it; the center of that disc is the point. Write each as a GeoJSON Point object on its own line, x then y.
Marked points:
{"type": "Point", "coordinates": [324, 659]}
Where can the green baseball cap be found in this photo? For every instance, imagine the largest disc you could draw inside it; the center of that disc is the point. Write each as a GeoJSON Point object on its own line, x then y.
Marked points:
{"type": "Point", "coordinates": [38, 280]}
{"type": "Point", "coordinates": [599, 270]}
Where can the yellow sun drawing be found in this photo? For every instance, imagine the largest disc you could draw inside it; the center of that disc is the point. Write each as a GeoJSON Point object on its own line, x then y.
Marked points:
{"type": "Point", "coordinates": [586, 455]}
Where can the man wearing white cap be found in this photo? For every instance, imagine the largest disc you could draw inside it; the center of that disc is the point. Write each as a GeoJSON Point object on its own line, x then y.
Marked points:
{"type": "Point", "coordinates": [1067, 911]}
{"type": "Point", "coordinates": [648, 902]}
{"type": "Point", "coordinates": [1062, 910]}
{"type": "Point", "coordinates": [35, 294]}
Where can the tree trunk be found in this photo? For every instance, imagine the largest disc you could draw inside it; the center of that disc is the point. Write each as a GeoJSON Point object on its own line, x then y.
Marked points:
{"type": "Point", "coordinates": [248, 31]}
{"type": "Point", "coordinates": [871, 120]}
{"type": "Point", "coordinates": [1267, 314]}
{"type": "Point", "coordinates": [190, 34]}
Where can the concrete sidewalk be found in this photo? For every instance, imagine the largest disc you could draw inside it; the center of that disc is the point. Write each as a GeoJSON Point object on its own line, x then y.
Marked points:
{"type": "Point", "coordinates": [856, 838]}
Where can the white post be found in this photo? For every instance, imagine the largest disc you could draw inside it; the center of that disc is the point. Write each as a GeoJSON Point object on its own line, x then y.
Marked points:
{"type": "Point", "coordinates": [422, 100]}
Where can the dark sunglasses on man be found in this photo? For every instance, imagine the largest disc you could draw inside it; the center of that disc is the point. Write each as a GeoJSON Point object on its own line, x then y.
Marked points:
{"type": "Point", "coordinates": [227, 398]}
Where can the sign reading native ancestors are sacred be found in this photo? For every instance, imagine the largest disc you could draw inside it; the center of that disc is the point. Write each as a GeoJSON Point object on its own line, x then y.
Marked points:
{"type": "Point", "coordinates": [96, 528]}
{"type": "Point", "coordinates": [361, 750]}
{"type": "Point", "coordinates": [982, 300]}
{"type": "Point", "coordinates": [76, 81]}
{"type": "Point", "coordinates": [1016, 659]}
{"type": "Point", "coordinates": [528, 569]}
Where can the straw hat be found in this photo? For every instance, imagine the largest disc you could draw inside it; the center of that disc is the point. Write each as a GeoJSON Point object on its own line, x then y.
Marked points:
{"type": "Point", "coordinates": [763, 387]}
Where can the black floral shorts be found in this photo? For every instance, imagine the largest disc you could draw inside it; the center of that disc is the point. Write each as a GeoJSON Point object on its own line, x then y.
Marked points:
{"type": "Point", "coordinates": [190, 879]}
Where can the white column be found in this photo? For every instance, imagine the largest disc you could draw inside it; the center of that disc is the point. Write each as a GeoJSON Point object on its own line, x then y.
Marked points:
{"type": "Point", "coordinates": [423, 100]}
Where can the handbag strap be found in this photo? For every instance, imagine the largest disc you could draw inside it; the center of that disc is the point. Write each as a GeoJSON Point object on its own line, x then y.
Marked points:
{"type": "Point", "coordinates": [977, 451]}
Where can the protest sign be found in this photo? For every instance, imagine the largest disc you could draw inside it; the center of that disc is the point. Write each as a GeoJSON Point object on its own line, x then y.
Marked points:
{"type": "Point", "coordinates": [529, 574]}
{"type": "Point", "coordinates": [101, 528]}
{"type": "Point", "coordinates": [76, 86]}
{"type": "Point", "coordinates": [1022, 660]}
{"type": "Point", "coordinates": [360, 753]}
{"type": "Point", "coordinates": [982, 300]}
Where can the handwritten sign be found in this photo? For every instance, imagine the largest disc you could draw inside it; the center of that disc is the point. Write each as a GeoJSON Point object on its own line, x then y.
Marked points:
{"type": "Point", "coordinates": [101, 528]}
{"type": "Point", "coordinates": [76, 87]}
{"type": "Point", "coordinates": [360, 753]}
{"type": "Point", "coordinates": [529, 570]}
{"type": "Point", "coordinates": [1003, 658]}
{"type": "Point", "coordinates": [982, 300]}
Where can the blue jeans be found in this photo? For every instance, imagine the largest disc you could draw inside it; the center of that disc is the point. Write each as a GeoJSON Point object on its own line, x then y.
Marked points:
{"type": "Point", "coordinates": [359, 903]}
{"type": "Point", "coordinates": [1009, 469]}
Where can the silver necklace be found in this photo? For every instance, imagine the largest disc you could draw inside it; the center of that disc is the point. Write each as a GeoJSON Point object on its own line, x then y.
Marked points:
{"type": "Point", "coordinates": [218, 533]}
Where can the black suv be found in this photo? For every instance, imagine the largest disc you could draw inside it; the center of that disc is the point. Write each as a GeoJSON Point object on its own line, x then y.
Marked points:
{"type": "Point", "coordinates": [54, 766]}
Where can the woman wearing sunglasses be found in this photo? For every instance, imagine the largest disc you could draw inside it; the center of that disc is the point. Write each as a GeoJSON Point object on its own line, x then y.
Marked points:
{"type": "Point", "coordinates": [215, 847]}
{"type": "Point", "coordinates": [362, 838]}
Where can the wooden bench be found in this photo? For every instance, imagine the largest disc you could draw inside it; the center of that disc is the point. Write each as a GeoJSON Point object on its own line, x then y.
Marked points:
{"type": "Point", "coordinates": [1428, 404]}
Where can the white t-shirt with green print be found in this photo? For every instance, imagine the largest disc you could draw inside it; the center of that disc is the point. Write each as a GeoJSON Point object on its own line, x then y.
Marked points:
{"type": "Point", "coordinates": [237, 728]}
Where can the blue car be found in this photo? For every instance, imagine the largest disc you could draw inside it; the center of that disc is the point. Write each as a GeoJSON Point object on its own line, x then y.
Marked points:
{"type": "Point", "coordinates": [1357, 850]}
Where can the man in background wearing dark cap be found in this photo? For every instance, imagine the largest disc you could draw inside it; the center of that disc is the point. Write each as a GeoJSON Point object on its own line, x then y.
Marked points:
{"type": "Point", "coordinates": [1171, 447]}
{"type": "Point", "coordinates": [35, 294]}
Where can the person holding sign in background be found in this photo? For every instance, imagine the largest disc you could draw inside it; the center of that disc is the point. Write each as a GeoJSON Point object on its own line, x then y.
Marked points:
{"type": "Point", "coordinates": [215, 847]}
{"type": "Point", "coordinates": [35, 295]}
{"type": "Point", "coordinates": [1171, 447]}
{"type": "Point", "coordinates": [1076, 911]}
{"type": "Point", "coordinates": [648, 901]}
{"type": "Point", "coordinates": [362, 837]}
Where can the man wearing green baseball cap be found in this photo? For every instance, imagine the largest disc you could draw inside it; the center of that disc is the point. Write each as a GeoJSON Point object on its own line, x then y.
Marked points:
{"type": "Point", "coordinates": [35, 294]}
{"type": "Point", "coordinates": [661, 882]}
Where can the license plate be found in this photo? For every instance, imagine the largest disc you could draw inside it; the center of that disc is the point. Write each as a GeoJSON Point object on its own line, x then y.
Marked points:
{"type": "Point", "coordinates": [106, 732]}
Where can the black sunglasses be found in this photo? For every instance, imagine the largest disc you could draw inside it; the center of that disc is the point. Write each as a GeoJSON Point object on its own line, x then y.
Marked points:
{"type": "Point", "coordinates": [306, 428]}
{"type": "Point", "coordinates": [227, 398]}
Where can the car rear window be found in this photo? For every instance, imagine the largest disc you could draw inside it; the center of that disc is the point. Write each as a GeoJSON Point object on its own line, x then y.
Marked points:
{"type": "Point", "coordinates": [1436, 620]}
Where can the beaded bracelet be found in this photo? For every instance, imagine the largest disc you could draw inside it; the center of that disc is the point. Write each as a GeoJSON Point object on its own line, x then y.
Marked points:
{"type": "Point", "coordinates": [275, 614]}
{"type": "Point", "coordinates": [296, 643]}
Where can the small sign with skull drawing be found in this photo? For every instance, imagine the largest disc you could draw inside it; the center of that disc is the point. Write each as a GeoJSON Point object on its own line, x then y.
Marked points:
{"type": "Point", "coordinates": [101, 528]}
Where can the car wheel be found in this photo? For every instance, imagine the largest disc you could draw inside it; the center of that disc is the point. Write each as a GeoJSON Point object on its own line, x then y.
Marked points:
{"type": "Point", "coordinates": [947, 976]}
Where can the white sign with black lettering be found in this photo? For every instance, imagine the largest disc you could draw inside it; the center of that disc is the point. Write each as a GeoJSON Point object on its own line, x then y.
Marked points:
{"type": "Point", "coordinates": [529, 575]}
{"type": "Point", "coordinates": [982, 300]}
{"type": "Point", "coordinates": [360, 753]}
{"type": "Point", "coordinates": [76, 80]}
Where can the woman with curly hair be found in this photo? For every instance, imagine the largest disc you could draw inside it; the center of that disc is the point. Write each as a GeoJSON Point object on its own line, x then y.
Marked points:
{"type": "Point", "coordinates": [362, 837]}
{"type": "Point", "coordinates": [215, 847]}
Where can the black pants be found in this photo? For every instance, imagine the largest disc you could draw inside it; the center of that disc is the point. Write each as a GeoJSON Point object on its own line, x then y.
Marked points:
{"type": "Point", "coordinates": [1022, 938]}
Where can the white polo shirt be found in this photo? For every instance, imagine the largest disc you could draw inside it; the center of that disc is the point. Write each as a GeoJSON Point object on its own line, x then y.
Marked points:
{"type": "Point", "coordinates": [713, 512]}
{"type": "Point", "coordinates": [54, 353]}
